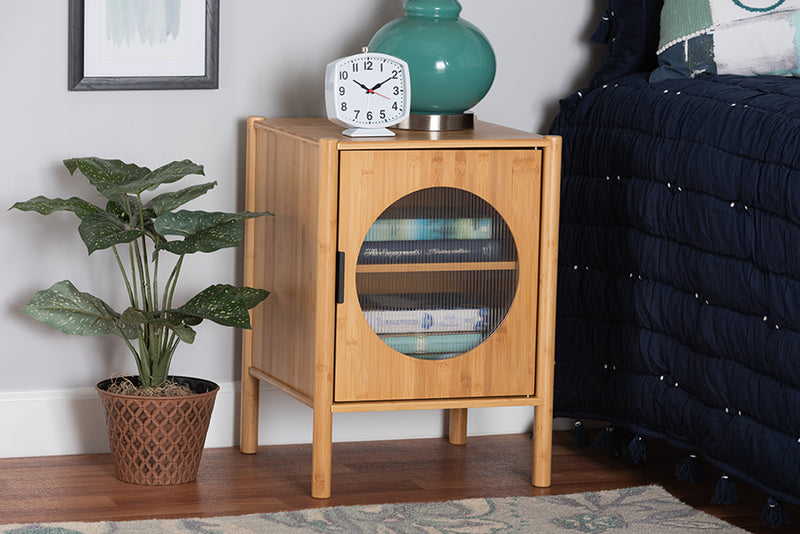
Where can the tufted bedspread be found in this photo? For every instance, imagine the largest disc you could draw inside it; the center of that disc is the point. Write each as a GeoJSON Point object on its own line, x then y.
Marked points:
{"type": "Point", "coordinates": [679, 268]}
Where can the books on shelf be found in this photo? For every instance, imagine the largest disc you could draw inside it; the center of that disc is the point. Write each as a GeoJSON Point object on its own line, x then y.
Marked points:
{"type": "Point", "coordinates": [395, 314]}
{"type": "Point", "coordinates": [433, 346]}
{"type": "Point", "coordinates": [431, 251]}
{"type": "Point", "coordinates": [427, 325]}
{"type": "Point", "coordinates": [430, 229]}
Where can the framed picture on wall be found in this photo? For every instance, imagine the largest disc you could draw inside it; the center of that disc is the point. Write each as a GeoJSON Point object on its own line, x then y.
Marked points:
{"type": "Point", "coordinates": [136, 44]}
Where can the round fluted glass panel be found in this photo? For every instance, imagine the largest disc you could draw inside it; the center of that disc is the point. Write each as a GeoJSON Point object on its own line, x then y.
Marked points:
{"type": "Point", "coordinates": [437, 273]}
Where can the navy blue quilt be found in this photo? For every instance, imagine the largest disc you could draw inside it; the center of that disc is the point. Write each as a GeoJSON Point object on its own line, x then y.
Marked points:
{"type": "Point", "coordinates": [679, 268]}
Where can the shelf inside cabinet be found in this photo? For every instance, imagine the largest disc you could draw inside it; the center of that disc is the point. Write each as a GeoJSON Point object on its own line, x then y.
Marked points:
{"type": "Point", "coordinates": [436, 267]}
{"type": "Point", "coordinates": [494, 282]}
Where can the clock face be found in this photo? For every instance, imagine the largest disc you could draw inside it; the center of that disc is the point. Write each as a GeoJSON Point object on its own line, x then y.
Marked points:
{"type": "Point", "coordinates": [369, 90]}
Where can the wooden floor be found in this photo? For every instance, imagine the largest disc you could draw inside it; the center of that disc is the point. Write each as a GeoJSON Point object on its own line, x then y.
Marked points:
{"type": "Point", "coordinates": [83, 488]}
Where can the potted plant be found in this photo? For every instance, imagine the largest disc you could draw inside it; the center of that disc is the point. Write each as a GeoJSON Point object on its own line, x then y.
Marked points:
{"type": "Point", "coordinates": [155, 424]}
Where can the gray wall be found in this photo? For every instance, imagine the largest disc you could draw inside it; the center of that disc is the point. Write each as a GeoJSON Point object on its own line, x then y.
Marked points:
{"type": "Point", "coordinates": [272, 58]}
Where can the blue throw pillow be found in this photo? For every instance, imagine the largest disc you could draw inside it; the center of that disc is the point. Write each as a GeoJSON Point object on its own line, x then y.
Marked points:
{"type": "Point", "coordinates": [630, 28]}
{"type": "Point", "coordinates": [746, 37]}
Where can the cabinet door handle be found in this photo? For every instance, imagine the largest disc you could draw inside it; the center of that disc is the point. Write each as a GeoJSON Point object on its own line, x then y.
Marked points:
{"type": "Point", "coordinates": [340, 277]}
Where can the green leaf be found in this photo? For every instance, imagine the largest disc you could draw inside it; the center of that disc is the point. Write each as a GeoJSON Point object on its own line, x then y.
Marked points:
{"type": "Point", "coordinates": [224, 304]}
{"type": "Point", "coordinates": [103, 230]}
{"type": "Point", "coordinates": [112, 178]}
{"type": "Point", "coordinates": [115, 208]}
{"type": "Point", "coordinates": [73, 312]}
{"type": "Point", "coordinates": [251, 296]}
{"type": "Point", "coordinates": [46, 206]}
{"type": "Point", "coordinates": [169, 201]}
{"type": "Point", "coordinates": [202, 231]}
{"type": "Point", "coordinates": [126, 208]}
{"type": "Point", "coordinates": [134, 316]}
{"type": "Point", "coordinates": [106, 174]}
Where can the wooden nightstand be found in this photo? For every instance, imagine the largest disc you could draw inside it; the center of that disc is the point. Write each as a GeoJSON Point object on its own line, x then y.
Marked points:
{"type": "Point", "coordinates": [413, 272]}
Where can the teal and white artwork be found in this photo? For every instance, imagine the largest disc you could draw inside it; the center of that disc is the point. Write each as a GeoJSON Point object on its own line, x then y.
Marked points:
{"type": "Point", "coordinates": [136, 38]}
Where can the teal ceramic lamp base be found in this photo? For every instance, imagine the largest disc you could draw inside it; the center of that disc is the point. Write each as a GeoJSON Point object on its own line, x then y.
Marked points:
{"type": "Point", "coordinates": [451, 63]}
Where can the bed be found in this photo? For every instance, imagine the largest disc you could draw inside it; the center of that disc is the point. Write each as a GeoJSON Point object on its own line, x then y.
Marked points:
{"type": "Point", "coordinates": [679, 261]}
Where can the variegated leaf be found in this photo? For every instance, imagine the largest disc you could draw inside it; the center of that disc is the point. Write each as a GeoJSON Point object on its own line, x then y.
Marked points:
{"type": "Point", "coordinates": [137, 317]}
{"type": "Point", "coordinates": [202, 231]}
{"type": "Point", "coordinates": [73, 312]}
{"type": "Point", "coordinates": [46, 206]}
{"type": "Point", "coordinates": [169, 201]}
{"type": "Point", "coordinates": [224, 304]}
{"type": "Point", "coordinates": [103, 230]}
{"type": "Point", "coordinates": [114, 177]}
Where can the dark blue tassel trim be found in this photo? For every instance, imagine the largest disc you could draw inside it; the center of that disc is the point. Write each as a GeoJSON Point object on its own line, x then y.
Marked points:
{"type": "Point", "coordinates": [638, 449]}
{"type": "Point", "coordinates": [774, 515]}
{"type": "Point", "coordinates": [605, 439]}
{"type": "Point", "coordinates": [580, 435]}
{"type": "Point", "coordinates": [603, 30]}
{"type": "Point", "coordinates": [570, 103]}
{"type": "Point", "coordinates": [690, 470]}
{"type": "Point", "coordinates": [725, 492]}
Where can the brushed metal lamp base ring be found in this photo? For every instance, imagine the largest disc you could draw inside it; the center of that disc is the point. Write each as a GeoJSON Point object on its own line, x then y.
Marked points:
{"type": "Point", "coordinates": [438, 123]}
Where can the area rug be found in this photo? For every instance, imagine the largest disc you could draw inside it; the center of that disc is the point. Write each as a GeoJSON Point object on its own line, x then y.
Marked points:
{"type": "Point", "coordinates": [645, 510]}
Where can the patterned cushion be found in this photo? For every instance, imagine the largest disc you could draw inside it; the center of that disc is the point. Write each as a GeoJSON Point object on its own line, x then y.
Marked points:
{"type": "Point", "coordinates": [728, 37]}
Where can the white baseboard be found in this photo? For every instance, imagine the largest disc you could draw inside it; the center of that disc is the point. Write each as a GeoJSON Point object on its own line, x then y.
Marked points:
{"type": "Point", "coordinates": [45, 423]}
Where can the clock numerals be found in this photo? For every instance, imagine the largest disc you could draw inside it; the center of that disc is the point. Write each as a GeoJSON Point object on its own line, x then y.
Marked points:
{"type": "Point", "coordinates": [368, 90]}
{"type": "Point", "coordinates": [367, 65]}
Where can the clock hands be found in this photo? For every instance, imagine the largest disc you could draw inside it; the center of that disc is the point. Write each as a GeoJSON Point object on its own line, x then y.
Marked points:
{"type": "Point", "coordinates": [361, 85]}
{"type": "Point", "coordinates": [383, 82]}
{"type": "Point", "coordinates": [372, 91]}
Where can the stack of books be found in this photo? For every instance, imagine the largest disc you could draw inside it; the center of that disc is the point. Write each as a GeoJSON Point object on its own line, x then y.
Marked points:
{"type": "Point", "coordinates": [427, 326]}
{"type": "Point", "coordinates": [424, 240]}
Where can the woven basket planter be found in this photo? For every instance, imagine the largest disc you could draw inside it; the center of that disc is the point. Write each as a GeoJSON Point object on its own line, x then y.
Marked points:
{"type": "Point", "coordinates": [158, 441]}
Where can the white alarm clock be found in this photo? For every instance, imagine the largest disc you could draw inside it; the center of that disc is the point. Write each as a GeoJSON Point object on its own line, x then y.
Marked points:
{"type": "Point", "coordinates": [368, 92]}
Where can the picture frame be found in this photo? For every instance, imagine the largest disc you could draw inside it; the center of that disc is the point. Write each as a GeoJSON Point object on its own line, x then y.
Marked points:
{"type": "Point", "coordinates": [196, 66]}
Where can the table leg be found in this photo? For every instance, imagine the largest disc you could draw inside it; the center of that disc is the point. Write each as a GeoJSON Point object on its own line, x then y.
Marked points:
{"type": "Point", "coordinates": [542, 445]}
{"type": "Point", "coordinates": [321, 457]}
{"type": "Point", "coordinates": [458, 426]}
{"type": "Point", "coordinates": [248, 432]}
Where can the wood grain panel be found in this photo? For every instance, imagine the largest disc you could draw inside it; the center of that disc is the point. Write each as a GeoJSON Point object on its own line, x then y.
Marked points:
{"type": "Point", "coordinates": [248, 433]}
{"type": "Point", "coordinates": [295, 178]}
{"type": "Point", "coordinates": [504, 365]}
{"type": "Point", "coordinates": [545, 327]}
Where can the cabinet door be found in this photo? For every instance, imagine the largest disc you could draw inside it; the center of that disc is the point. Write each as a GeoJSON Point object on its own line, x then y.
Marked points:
{"type": "Point", "coordinates": [440, 274]}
